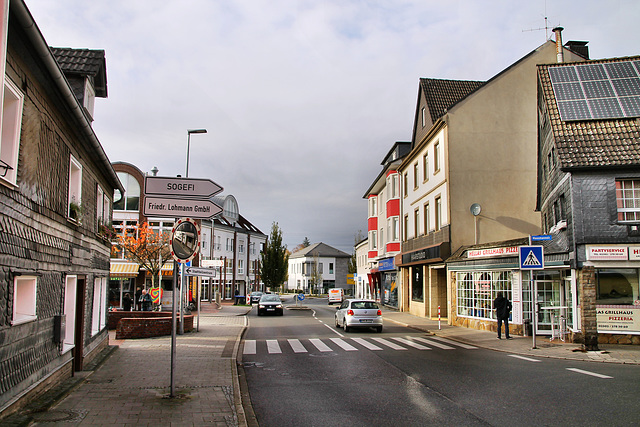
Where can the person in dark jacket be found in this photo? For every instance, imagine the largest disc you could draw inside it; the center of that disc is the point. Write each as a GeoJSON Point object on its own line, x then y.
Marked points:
{"type": "Point", "coordinates": [503, 307]}
{"type": "Point", "coordinates": [126, 302]}
{"type": "Point", "coordinates": [145, 299]}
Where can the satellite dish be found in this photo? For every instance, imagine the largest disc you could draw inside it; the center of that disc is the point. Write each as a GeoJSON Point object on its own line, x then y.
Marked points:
{"type": "Point", "coordinates": [475, 209]}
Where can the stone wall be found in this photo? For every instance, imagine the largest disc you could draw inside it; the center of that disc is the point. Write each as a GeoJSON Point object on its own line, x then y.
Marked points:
{"type": "Point", "coordinates": [147, 327]}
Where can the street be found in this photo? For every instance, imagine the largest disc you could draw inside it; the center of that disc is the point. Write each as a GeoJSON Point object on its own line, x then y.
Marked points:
{"type": "Point", "coordinates": [301, 370]}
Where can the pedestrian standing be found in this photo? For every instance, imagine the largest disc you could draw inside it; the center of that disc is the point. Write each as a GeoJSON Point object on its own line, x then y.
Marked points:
{"type": "Point", "coordinates": [126, 302]}
{"type": "Point", "coordinates": [502, 306]}
{"type": "Point", "coordinates": [145, 300]}
{"type": "Point", "coordinates": [138, 300]}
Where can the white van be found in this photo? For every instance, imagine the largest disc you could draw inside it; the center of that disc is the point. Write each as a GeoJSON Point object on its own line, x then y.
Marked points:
{"type": "Point", "coordinates": [335, 295]}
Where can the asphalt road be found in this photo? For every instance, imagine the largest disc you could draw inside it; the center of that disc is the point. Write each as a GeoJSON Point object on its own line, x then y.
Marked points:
{"type": "Point", "coordinates": [302, 371]}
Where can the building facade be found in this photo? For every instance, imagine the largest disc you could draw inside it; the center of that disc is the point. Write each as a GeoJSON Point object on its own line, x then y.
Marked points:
{"type": "Point", "coordinates": [318, 268]}
{"type": "Point", "coordinates": [363, 288]}
{"type": "Point", "coordinates": [56, 193]}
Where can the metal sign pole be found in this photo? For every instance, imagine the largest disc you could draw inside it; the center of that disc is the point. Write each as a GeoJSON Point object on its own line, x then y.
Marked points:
{"type": "Point", "coordinates": [174, 321]}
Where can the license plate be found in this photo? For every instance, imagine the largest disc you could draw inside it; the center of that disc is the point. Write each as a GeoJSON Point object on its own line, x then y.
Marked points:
{"type": "Point", "coordinates": [366, 320]}
{"type": "Point", "coordinates": [270, 309]}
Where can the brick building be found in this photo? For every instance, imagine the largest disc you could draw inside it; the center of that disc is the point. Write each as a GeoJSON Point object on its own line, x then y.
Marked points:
{"type": "Point", "coordinates": [56, 193]}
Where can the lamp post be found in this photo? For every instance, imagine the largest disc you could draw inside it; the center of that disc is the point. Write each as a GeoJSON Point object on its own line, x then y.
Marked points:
{"type": "Point", "coordinates": [189, 132]}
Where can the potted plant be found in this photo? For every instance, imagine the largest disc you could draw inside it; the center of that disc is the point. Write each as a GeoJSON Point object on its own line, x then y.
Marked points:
{"type": "Point", "coordinates": [75, 210]}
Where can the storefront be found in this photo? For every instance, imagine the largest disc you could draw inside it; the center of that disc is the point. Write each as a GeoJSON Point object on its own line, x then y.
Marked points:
{"type": "Point", "coordinates": [617, 272]}
{"type": "Point", "coordinates": [122, 279]}
{"type": "Point", "coordinates": [388, 285]}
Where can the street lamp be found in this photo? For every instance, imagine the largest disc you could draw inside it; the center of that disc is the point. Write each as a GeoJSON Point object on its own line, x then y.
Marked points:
{"type": "Point", "coordinates": [189, 132]}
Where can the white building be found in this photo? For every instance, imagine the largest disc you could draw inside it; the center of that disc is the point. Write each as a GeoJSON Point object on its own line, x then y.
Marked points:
{"type": "Point", "coordinates": [331, 264]}
{"type": "Point", "coordinates": [363, 288]}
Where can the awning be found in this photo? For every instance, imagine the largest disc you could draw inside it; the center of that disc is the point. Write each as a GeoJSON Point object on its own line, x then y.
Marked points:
{"type": "Point", "coordinates": [167, 269]}
{"type": "Point", "coordinates": [123, 269]}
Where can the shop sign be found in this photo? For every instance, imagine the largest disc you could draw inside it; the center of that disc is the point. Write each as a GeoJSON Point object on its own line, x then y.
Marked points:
{"type": "Point", "coordinates": [610, 253]}
{"type": "Point", "coordinates": [386, 264]}
{"type": "Point", "coordinates": [491, 252]}
{"type": "Point", "coordinates": [618, 319]}
{"type": "Point", "coordinates": [634, 254]}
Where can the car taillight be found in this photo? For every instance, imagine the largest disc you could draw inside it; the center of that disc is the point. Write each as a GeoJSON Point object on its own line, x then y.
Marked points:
{"type": "Point", "coordinates": [349, 312]}
{"type": "Point", "coordinates": [379, 312]}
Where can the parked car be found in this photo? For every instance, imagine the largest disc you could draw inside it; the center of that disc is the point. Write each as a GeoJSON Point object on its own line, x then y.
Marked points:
{"type": "Point", "coordinates": [270, 304]}
{"type": "Point", "coordinates": [359, 313]}
{"type": "Point", "coordinates": [335, 295]}
{"type": "Point", "coordinates": [255, 297]}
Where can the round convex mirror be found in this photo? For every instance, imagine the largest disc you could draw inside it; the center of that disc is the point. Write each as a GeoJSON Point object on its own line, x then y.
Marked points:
{"type": "Point", "coordinates": [185, 241]}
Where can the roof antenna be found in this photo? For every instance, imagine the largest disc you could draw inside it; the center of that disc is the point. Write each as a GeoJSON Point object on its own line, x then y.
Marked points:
{"type": "Point", "coordinates": [546, 24]}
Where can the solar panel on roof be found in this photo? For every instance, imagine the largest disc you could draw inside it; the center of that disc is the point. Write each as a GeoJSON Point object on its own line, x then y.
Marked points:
{"type": "Point", "coordinates": [597, 91]}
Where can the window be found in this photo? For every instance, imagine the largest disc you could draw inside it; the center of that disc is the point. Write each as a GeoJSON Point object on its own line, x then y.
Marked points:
{"type": "Point", "coordinates": [75, 190]}
{"type": "Point", "coordinates": [628, 200]}
{"type": "Point", "coordinates": [395, 223]}
{"type": "Point", "coordinates": [240, 266]}
{"type": "Point", "coordinates": [617, 286]}
{"type": "Point", "coordinates": [425, 167]}
{"type": "Point", "coordinates": [394, 186]}
{"type": "Point", "coordinates": [13, 100]}
{"type": "Point", "coordinates": [416, 176]}
{"type": "Point", "coordinates": [381, 236]}
{"type": "Point", "coordinates": [103, 209]}
{"type": "Point", "coordinates": [416, 222]}
{"type": "Point", "coordinates": [424, 116]}
{"type": "Point", "coordinates": [330, 268]}
{"type": "Point", "coordinates": [70, 287]}
{"type": "Point", "coordinates": [25, 289]}
{"type": "Point", "coordinates": [89, 97]}
{"type": "Point", "coordinates": [241, 246]}
{"type": "Point", "coordinates": [417, 286]}
{"type": "Point", "coordinates": [405, 184]}
{"type": "Point", "coordinates": [436, 157]}
{"type": "Point", "coordinates": [405, 228]}
{"type": "Point", "coordinates": [99, 316]}
{"type": "Point", "coordinates": [229, 265]}
{"type": "Point", "coordinates": [438, 213]}
{"type": "Point", "coordinates": [426, 219]}
{"type": "Point", "coordinates": [476, 292]}
{"type": "Point", "coordinates": [132, 191]}
{"type": "Point", "coordinates": [374, 240]}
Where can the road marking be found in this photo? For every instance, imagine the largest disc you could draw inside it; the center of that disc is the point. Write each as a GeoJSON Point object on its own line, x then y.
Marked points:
{"type": "Point", "coordinates": [411, 343]}
{"type": "Point", "coordinates": [273, 347]}
{"type": "Point", "coordinates": [434, 343]}
{"type": "Point", "coordinates": [459, 344]}
{"type": "Point", "coordinates": [344, 345]}
{"type": "Point", "coordinates": [528, 359]}
{"type": "Point", "coordinates": [593, 374]}
{"type": "Point", "coordinates": [297, 346]}
{"type": "Point", "coordinates": [249, 347]}
{"type": "Point", "coordinates": [388, 344]}
{"type": "Point", "coordinates": [334, 330]}
{"type": "Point", "coordinates": [366, 344]}
{"type": "Point", "coordinates": [320, 345]}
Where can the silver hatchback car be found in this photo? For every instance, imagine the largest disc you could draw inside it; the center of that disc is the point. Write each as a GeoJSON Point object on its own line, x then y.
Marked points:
{"type": "Point", "coordinates": [359, 313]}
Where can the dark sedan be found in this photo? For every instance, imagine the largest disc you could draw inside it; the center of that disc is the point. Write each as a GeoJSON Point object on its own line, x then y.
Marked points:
{"type": "Point", "coordinates": [270, 304]}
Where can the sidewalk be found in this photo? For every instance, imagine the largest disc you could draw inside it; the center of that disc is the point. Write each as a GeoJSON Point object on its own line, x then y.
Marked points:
{"type": "Point", "coordinates": [629, 354]}
{"type": "Point", "coordinates": [132, 385]}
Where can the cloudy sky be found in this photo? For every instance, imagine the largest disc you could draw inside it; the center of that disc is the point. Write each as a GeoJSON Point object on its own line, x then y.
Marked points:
{"type": "Point", "coordinates": [301, 99]}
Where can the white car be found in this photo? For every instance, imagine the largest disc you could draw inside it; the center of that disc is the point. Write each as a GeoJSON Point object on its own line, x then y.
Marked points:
{"type": "Point", "coordinates": [359, 313]}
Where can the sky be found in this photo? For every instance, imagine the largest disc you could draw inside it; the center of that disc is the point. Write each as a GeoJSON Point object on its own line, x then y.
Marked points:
{"type": "Point", "coordinates": [301, 99]}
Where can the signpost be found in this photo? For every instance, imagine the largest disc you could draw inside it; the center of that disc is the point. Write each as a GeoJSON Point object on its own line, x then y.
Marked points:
{"type": "Point", "coordinates": [532, 258]}
{"type": "Point", "coordinates": [198, 271]}
{"type": "Point", "coordinates": [180, 187]}
{"type": "Point", "coordinates": [170, 207]}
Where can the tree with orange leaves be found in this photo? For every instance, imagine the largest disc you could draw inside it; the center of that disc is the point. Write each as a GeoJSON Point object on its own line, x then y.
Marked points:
{"type": "Point", "coordinates": [150, 250]}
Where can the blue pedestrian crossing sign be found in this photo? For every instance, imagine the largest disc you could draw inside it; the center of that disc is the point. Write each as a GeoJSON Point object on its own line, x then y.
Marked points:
{"type": "Point", "coordinates": [531, 257]}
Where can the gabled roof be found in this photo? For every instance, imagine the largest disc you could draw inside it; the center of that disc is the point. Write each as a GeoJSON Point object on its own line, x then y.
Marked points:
{"type": "Point", "coordinates": [322, 250]}
{"type": "Point", "coordinates": [594, 142]}
{"type": "Point", "coordinates": [242, 223]}
{"type": "Point", "coordinates": [441, 94]}
{"type": "Point", "coordinates": [85, 62]}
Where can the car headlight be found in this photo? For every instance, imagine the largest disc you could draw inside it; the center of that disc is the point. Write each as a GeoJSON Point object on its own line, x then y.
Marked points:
{"type": "Point", "coordinates": [279, 306]}
{"type": "Point", "coordinates": [261, 306]}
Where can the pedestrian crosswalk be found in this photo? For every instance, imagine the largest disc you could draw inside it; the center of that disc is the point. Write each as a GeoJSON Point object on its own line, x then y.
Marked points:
{"type": "Point", "coordinates": [313, 345]}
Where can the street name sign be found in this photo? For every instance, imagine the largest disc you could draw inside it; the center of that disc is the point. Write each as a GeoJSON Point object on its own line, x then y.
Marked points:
{"type": "Point", "coordinates": [211, 262]}
{"type": "Point", "coordinates": [176, 208]}
{"type": "Point", "coordinates": [541, 238]}
{"type": "Point", "coordinates": [180, 187]}
{"type": "Point", "coordinates": [199, 271]}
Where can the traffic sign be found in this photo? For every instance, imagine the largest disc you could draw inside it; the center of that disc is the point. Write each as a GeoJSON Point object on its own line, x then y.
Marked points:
{"type": "Point", "coordinates": [180, 187]}
{"type": "Point", "coordinates": [211, 262]}
{"type": "Point", "coordinates": [168, 207]}
{"type": "Point", "coordinates": [300, 297]}
{"type": "Point", "coordinates": [199, 271]}
{"type": "Point", "coordinates": [531, 257]}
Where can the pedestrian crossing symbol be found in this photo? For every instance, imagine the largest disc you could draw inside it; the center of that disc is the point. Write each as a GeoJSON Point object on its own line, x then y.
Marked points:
{"type": "Point", "coordinates": [531, 257]}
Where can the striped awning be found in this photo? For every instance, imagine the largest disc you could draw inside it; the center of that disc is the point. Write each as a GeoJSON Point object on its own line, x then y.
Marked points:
{"type": "Point", "coordinates": [167, 269]}
{"type": "Point", "coordinates": [123, 269]}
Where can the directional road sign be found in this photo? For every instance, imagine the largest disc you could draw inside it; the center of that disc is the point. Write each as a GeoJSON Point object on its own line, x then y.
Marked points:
{"type": "Point", "coordinates": [200, 271]}
{"type": "Point", "coordinates": [531, 257]}
{"type": "Point", "coordinates": [180, 187]}
{"type": "Point", "coordinates": [211, 263]}
{"type": "Point", "coordinates": [176, 208]}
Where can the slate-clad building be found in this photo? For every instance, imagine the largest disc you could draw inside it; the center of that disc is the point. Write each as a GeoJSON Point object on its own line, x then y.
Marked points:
{"type": "Point", "coordinates": [589, 191]}
{"type": "Point", "coordinates": [56, 193]}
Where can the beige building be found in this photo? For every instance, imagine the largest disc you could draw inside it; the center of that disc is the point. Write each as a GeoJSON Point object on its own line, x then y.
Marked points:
{"type": "Point", "coordinates": [474, 143]}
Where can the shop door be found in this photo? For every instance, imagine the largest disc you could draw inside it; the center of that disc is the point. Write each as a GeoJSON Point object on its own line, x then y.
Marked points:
{"type": "Point", "coordinates": [548, 294]}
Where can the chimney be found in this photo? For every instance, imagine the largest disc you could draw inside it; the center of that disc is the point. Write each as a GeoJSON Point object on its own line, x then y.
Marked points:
{"type": "Point", "coordinates": [559, 52]}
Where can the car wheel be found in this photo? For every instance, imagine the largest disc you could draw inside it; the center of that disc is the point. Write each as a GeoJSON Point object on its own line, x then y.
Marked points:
{"type": "Point", "coordinates": [346, 328]}
{"type": "Point", "coordinates": [379, 329]}
{"type": "Point", "coordinates": [337, 324]}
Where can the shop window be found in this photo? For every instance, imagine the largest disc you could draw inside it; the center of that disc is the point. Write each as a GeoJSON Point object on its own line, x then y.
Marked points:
{"type": "Point", "coordinates": [617, 286]}
{"type": "Point", "coordinates": [13, 101]}
{"type": "Point", "coordinates": [417, 285]}
{"type": "Point", "coordinates": [628, 200]}
{"type": "Point", "coordinates": [25, 289]}
{"type": "Point", "coordinates": [476, 292]}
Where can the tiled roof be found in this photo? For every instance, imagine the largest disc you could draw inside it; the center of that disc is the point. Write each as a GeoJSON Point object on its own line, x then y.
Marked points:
{"type": "Point", "coordinates": [322, 249]}
{"type": "Point", "coordinates": [442, 94]}
{"type": "Point", "coordinates": [591, 143]}
{"type": "Point", "coordinates": [86, 62]}
{"type": "Point", "coordinates": [242, 223]}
